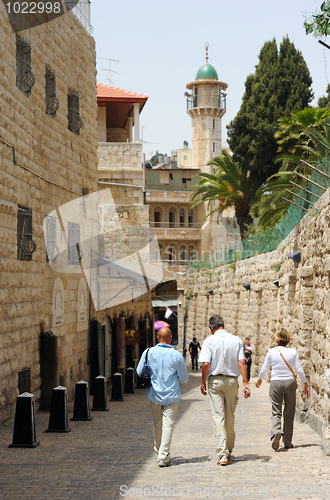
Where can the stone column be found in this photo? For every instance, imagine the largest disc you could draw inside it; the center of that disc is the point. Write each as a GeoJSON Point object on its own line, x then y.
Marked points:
{"type": "Point", "coordinates": [102, 124]}
{"type": "Point", "coordinates": [130, 129]}
{"type": "Point", "coordinates": [136, 122]}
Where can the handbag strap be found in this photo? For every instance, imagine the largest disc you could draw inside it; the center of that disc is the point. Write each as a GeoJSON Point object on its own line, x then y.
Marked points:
{"type": "Point", "coordinates": [287, 364]}
{"type": "Point", "coordinates": [146, 361]}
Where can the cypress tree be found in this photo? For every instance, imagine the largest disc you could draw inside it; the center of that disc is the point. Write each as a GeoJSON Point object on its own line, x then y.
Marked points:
{"type": "Point", "coordinates": [280, 84]}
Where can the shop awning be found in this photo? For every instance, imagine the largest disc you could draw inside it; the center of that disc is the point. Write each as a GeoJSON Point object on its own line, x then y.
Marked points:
{"type": "Point", "coordinates": [164, 302]}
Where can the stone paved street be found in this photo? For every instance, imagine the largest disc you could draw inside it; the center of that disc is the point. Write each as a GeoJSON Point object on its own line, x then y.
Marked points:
{"type": "Point", "coordinates": [111, 456]}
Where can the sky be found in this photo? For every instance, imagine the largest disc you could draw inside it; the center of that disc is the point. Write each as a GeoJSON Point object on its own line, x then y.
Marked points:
{"type": "Point", "coordinates": [157, 47]}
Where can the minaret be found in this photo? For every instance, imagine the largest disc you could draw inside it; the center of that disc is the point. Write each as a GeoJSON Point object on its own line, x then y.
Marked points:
{"type": "Point", "coordinates": [206, 105]}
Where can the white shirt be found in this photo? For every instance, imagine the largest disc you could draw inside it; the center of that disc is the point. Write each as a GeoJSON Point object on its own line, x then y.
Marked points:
{"type": "Point", "coordinates": [223, 351]}
{"type": "Point", "coordinates": [280, 371]}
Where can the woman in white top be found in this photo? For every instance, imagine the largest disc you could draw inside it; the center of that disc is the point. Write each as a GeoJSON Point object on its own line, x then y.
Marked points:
{"type": "Point", "coordinates": [282, 386]}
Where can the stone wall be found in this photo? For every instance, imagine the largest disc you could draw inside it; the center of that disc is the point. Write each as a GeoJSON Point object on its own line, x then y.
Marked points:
{"type": "Point", "coordinates": [43, 165]}
{"type": "Point", "coordinates": [120, 156]}
{"type": "Point", "coordinates": [301, 304]}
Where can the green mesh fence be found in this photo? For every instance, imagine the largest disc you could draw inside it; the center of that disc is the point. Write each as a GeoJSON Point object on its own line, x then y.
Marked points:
{"type": "Point", "coordinates": [270, 239]}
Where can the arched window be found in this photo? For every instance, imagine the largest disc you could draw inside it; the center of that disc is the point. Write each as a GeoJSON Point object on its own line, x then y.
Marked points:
{"type": "Point", "coordinates": [171, 255]}
{"type": "Point", "coordinates": [159, 253]}
{"type": "Point", "coordinates": [182, 217]}
{"type": "Point", "coordinates": [171, 217]}
{"type": "Point", "coordinates": [192, 253]}
{"type": "Point", "coordinates": [183, 255]}
{"type": "Point", "coordinates": [190, 218]}
{"type": "Point", "coordinates": [157, 217]}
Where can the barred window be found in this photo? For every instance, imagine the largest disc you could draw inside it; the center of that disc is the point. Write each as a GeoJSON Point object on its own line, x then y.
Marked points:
{"type": "Point", "coordinates": [74, 121]}
{"type": "Point", "coordinates": [73, 241]}
{"type": "Point", "coordinates": [24, 76]}
{"type": "Point", "coordinates": [25, 244]}
{"type": "Point", "coordinates": [190, 218]}
{"type": "Point", "coordinates": [182, 217]}
{"type": "Point", "coordinates": [171, 217]}
{"type": "Point", "coordinates": [171, 255]}
{"type": "Point", "coordinates": [52, 104]}
{"type": "Point", "coordinates": [183, 255]}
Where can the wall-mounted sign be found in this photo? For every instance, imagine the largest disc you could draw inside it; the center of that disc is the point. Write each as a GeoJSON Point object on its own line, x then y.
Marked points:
{"type": "Point", "coordinates": [132, 337]}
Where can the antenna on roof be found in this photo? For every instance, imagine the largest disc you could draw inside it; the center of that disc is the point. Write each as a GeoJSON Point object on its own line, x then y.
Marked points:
{"type": "Point", "coordinates": [207, 52]}
{"type": "Point", "coordinates": [109, 68]}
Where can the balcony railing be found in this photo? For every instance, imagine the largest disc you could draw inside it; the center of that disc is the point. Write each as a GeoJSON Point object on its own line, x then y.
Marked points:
{"type": "Point", "coordinates": [168, 263]}
{"type": "Point", "coordinates": [204, 101]}
{"type": "Point", "coordinates": [81, 11]}
{"type": "Point", "coordinates": [170, 187]}
{"type": "Point", "coordinates": [173, 225]}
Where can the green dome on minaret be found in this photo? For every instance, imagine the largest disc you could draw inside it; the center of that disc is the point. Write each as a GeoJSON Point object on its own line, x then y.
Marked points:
{"type": "Point", "coordinates": [206, 71]}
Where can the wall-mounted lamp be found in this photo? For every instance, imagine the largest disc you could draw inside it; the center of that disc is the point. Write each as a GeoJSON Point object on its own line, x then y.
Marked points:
{"type": "Point", "coordinates": [295, 256]}
{"type": "Point", "coordinates": [210, 292]}
{"type": "Point", "coordinates": [247, 286]}
{"type": "Point", "coordinates": [276, 283]}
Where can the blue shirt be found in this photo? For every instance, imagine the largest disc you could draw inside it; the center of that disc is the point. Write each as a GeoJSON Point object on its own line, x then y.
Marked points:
{"type": "Point", "coordinates": [167, 367]}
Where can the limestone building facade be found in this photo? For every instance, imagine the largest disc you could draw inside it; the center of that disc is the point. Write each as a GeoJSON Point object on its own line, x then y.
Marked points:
{"type": "Point", "coordinates": [48, 154]}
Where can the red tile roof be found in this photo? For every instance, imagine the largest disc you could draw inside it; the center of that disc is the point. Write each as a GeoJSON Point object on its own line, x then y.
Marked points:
{"type": "Point", "coordinates": [107, 93]}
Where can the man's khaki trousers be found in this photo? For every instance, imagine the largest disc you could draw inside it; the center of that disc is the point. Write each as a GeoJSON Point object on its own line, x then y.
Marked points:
{"type": "Point", "coordinates": [164, 419]}
{"type": "Point", "coordinates": [223, 392]}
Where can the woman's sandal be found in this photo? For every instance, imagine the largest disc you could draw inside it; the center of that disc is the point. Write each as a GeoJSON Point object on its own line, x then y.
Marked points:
{"type": "Point", "coordinates": [276, 441]}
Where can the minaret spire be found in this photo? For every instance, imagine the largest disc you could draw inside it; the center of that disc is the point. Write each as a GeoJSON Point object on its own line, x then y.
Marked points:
{"type": "Point", "coordinates": [207, 52]}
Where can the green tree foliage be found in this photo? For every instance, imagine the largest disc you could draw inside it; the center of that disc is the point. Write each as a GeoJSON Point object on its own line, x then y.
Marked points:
{"type": "Point", "coordinates": [305, 135]}
{"type": "Point", "coordinates": [319, 23]}
{"type": "Point", "coordinates": [298, 138]}
{"type": "Point", "coordinates": [230, 187]}
{"type": "Point", "coordinates": [280, 84]}
{"type": "Point", "coordinates": [324, 101]}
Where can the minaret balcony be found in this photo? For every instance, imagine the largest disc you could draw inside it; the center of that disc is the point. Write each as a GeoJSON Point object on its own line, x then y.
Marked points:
{"type": "Point", "coordinates": [205, 101]}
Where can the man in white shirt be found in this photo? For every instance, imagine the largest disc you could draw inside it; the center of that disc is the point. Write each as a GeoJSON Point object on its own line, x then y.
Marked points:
{"type": "Point", "coordinates": [223, 361]}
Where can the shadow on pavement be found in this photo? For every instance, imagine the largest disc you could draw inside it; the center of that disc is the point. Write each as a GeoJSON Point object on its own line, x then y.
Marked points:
{"type": "Point", "coordinates": [193, 460]}
{"type": "Point", "coordinates": [250, 457]}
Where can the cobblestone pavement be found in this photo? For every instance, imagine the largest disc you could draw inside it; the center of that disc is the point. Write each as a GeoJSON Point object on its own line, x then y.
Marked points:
{"type": "Point", "coordinates": [111, 456]}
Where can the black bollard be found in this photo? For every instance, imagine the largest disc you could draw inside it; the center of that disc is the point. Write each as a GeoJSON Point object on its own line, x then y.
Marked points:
{"type": "Point", "coordinates": [58, 418]}
{"type": "Point", "coordinates": [129, 381]}
{"type": "Point", "coordinates": [25, 423]}
{"type": "Point", "coordinates": [81, 402]}
{"type": "Point", "coordinates": [100, 394]}
{"type": "Point", "coordinates": [117, 387]}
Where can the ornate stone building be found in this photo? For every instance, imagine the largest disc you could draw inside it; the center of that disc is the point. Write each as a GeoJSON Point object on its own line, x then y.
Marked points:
{"type": "Point", "coordinates": [185, 234]}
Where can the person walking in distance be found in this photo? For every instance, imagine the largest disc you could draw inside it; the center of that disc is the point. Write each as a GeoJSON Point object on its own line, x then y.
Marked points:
{"type": "Point", "coordinates": [248, 351]}
{"type": "Point", "coordinates": [193, 350]}
{"type": "Point", "coordinates": [167, 369]}
{"type": "Point", "coordinates": [223, 359]}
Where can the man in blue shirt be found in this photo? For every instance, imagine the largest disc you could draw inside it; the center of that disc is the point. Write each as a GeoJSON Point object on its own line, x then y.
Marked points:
{"type": "Point", "coordinates": [167, 368]}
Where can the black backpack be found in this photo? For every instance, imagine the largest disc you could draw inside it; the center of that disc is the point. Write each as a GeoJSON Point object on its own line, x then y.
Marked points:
{"type": "Point", "coordinates": [145, 375]}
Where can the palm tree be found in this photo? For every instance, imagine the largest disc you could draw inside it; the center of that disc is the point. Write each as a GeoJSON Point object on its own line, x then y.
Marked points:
{"type": "Point", "coordinates": [229, 186]}
{"type": "Point", "coordinates": [300, 136]}
{"type": "Point", "coordinates": [304, 135]}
